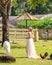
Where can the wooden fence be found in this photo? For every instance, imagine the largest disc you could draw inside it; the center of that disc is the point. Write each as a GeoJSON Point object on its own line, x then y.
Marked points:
{"type": "Point", "coordinates": [43, 34]}
{"type": "Point", "coordinates": [16, 35]}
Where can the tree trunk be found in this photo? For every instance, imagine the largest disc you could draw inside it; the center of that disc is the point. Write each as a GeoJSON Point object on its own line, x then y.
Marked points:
{"type": "Point", "coordinates": [5, 19]}
{"type": "Point", "coordinates": [5, 34]}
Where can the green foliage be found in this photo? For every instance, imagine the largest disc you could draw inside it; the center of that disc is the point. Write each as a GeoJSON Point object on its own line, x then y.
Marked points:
{"type": "Point", "coordinates": [0, 10]}
{"type": "Point", "coordinates": [14, 7]}
{"type": "Point", "coordinates": [31, 6]}
{"type": "Point", "coordinates": [41, 9]}
{"type": "Point", "coordinates": [46, 24]}
{"type": "Point", "coordinates": [34, 3]}
{"type": "Point", "coordinates": [14, 3]}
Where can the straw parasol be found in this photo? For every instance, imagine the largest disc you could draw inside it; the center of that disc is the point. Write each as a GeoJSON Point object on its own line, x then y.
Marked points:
{"type": "Point", "coordinates": [26, 16]}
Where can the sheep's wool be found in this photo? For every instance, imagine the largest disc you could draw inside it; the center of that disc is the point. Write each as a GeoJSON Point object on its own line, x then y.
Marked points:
{"type": "Point", "coordinates": [7, 46]}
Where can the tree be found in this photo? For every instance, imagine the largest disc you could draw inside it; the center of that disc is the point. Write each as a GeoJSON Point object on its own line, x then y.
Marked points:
{"type": "Point", "coordinates": [14, 8]}
{"type": "Point", "coordinates": [5, 9]}
{"type": "Point", "coordinates": [33, 3]}
{"type": "Point", "coordinates": [31, 6]}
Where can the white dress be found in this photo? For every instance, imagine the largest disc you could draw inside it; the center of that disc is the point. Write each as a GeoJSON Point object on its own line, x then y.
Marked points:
{"type": "Point", "coordinates": [31, 52]}
{"type": "Point", "coordinates": [7, 46]}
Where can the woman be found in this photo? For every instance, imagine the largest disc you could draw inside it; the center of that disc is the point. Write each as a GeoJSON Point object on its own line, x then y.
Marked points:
{"type": "Point", "coordinates": [31, 52]}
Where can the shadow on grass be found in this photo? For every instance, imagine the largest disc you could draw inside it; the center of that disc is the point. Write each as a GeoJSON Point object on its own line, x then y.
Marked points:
{"type": "Point", "coordinates": [21, 57]}
{"type": "Point", "coordinates": [49, 59]}
{"type": "Point", "coordinates": [2, 53]}
{"type": "Point", "coordinates": [17, 47]}
{"type": "Point", "coordinates": [6, 62]}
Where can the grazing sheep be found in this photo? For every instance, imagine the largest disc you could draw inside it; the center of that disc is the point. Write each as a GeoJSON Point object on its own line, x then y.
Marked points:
{"type": "Point", "coordinates": [7, 46]}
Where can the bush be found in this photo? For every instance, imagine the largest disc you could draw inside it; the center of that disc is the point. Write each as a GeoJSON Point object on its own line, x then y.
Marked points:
{"type": "Point", "coordinates": [41, 24]}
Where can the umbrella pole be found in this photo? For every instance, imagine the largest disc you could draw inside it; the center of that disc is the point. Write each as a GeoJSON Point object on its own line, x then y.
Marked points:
{"type": "Point", "coordinates": [26, 23]}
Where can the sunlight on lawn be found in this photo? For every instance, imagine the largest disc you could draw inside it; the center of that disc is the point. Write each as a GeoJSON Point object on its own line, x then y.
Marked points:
{"type": "Point", "coordinates": [18, 50]}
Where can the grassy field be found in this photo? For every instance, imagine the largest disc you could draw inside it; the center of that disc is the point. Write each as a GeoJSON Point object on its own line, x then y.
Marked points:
{"type": "Point", "coordinates": [18, 50]}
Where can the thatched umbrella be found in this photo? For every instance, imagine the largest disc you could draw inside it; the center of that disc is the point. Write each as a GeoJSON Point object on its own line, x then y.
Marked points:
{"type": "Point", "coordinates": [26, 16]}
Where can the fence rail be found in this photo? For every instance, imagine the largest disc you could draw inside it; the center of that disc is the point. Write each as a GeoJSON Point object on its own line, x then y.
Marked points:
{"type": "Point", "coordinates": [16, 34]}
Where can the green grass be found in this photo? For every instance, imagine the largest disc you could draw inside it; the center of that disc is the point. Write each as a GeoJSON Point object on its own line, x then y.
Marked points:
{"type": "Point", "coordinates": [18, 50]}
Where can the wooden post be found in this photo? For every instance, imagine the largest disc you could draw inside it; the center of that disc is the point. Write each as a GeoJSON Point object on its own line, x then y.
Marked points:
{"type": "Point", "coordinates": [26, 23]}
{"type": "Point", "coordinates": [36, 35]}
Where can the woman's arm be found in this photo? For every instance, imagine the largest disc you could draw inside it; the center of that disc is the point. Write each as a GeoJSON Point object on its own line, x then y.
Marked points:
{"type": "Point", "coordinates": [32, 34]}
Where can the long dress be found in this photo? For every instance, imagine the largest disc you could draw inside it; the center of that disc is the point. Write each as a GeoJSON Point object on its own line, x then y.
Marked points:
{"type": "Point", "coordinates": [31, 52]}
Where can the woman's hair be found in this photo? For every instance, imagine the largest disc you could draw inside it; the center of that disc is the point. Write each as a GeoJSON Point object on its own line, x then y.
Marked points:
{"type": "Point", "coordinates": [30, 28]}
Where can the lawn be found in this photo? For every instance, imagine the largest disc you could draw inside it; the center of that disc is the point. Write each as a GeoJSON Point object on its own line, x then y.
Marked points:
{"type": "Point", "coordinates": [18, 50]}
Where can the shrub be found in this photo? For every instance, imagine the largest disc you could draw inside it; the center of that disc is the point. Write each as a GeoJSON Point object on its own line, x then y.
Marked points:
{"type": "Point", "coordinates": [41, 24]}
